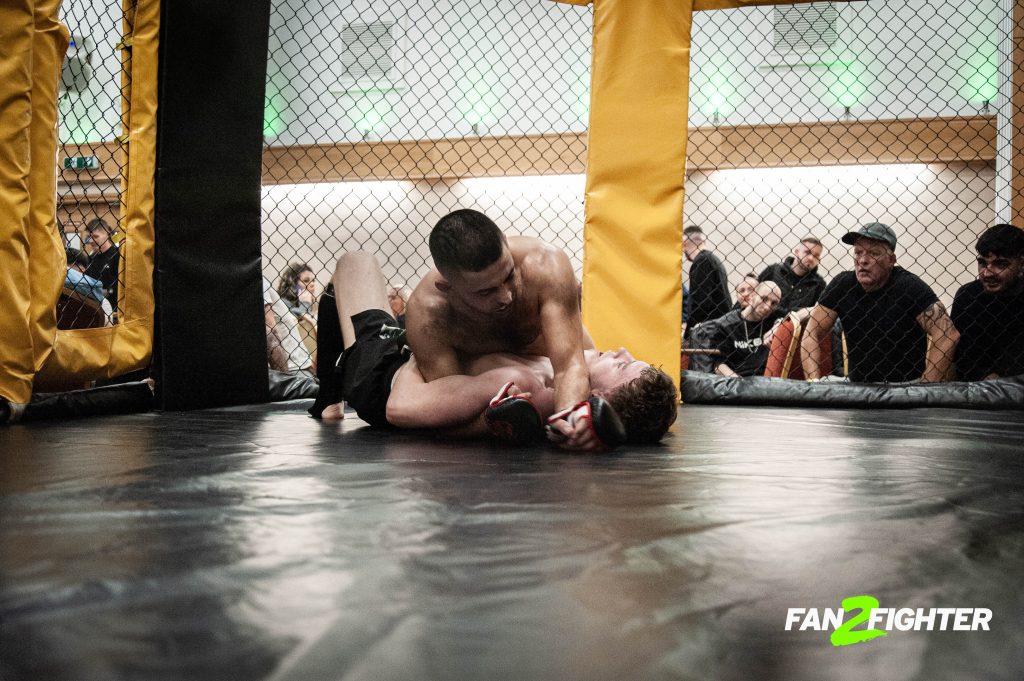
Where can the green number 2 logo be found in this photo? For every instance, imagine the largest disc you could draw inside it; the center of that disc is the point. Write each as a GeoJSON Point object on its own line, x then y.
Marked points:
{"type": "Point", "coordinates": [844, 635]}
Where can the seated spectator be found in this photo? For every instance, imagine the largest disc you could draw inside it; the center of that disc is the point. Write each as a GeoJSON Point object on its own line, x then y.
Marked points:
{"type": "Point", "coordinates": [105, 260]}
{"type": "Point", "coordinates": [709, 286]}
{"type": "Point", "coordinates": [744, 290]}
{"type": "Point", "coordinates": [798, 276]}
{"type": "Point", "coordinates": [397, 298]}
{"type": "Point", "coordinates": [76, 280]}
{"type": "Point", "coordinates": [285, 350]}
{"type": "Point", "coordinates": [989, 312]}
{"type": "Point", "coordinates": [742, 337]}
{"type": "Point", "coordinates": [297, 288]}
{"type": "Point", "coordinates": [888, 316]}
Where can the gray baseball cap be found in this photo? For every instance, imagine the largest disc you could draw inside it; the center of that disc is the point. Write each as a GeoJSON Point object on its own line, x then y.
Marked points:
{"type": "Point", "coordinates": [873, 230]}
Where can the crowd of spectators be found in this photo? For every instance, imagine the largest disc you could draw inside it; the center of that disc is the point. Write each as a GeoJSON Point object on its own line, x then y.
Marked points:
{"type": "Point", "coordinates": [891, 323]}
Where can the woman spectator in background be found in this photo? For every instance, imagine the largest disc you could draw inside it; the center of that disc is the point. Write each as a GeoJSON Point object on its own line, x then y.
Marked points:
{"type": "Point", "coordinates": [297, 288]}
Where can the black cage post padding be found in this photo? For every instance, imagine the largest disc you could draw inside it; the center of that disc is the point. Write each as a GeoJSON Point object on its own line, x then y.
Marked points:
{"type": "Point", "coordinates": [210, 345]}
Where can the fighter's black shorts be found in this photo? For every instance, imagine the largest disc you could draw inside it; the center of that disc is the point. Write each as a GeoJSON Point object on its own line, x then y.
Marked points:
{"type": "Point", "coordinates": [369, 366]}
{"type": "Point", "coordinates": [363, 373]}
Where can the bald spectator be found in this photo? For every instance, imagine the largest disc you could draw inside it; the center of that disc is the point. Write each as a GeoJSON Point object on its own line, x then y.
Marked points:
{"type": "Point", "coordinates": [888, 316]}
{"type": "Point", "coordinates": [709, 286]}
{"type": "Point", "coordinates": [989, 312]}
{"type": "Point", "coordinates": [798, 276]}
{"type": "Point", "coordinates": [742, 337]}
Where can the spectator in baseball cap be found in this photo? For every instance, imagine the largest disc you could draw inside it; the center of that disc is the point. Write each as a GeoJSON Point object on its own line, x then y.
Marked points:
{"type": "Point", "coordinates": [888, 315]}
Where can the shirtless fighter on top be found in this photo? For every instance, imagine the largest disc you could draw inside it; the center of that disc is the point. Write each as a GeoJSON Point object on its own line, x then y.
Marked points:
{"type": "Point", "coordinates": [488, 294]}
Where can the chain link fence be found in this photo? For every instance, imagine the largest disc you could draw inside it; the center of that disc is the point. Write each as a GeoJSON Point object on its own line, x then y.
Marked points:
{"type": "Point", "coordinates": [805, 121]}
{"type": "Point", "coordinates": [91, 158]}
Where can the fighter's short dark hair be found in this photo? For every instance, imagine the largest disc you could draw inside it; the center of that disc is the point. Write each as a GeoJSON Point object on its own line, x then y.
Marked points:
{"type": "Point", "coordinates": [1002, 240]}
{"type": "Point", "coordinates": [465, 240]}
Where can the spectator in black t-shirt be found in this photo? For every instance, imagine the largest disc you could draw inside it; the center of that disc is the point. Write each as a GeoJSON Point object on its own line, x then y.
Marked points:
{"type": "Point", "coordinates": [709, 285]}
{"type": "Point", "coordinates": [989, 312]}
{"type": "Point", "coordinates": [742, 337]}
{"type": "Point", "coordinates": [798, 276]}
{"type": "Point", "coordinates": [888, 315]}
{"type": "Point", "coordinates": [105, 260]}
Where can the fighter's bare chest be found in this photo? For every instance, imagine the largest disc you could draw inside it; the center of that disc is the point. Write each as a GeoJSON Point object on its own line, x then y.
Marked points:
{"type": "Point", "coordinates": [511, 336]}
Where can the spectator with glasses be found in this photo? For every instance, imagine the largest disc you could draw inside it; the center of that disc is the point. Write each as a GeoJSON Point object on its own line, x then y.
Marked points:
{"type": "Point", "coordinates": [989, 311]}
{"type": "Point", "coordinates": [888, 314]}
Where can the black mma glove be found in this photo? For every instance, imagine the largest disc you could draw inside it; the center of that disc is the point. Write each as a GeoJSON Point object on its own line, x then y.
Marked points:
{"type": "Point", "coordinates": [513, 418]}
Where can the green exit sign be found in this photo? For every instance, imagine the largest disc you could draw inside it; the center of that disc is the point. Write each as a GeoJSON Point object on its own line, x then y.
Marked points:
{"type": "Point", "coordinates": [81, 163]}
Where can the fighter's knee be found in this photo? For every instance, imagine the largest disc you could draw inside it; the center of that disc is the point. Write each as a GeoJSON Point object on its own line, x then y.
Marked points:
{"type": "Point", "coordinates": [353, 259]}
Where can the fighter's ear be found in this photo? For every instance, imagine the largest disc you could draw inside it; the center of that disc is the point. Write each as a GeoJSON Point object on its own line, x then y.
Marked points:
{"type": "Point", "coordinates": [443, 286]}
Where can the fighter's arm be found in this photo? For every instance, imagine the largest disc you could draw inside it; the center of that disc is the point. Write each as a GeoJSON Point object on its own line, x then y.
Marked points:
{"type": "Point", "coordinates": [566, 338]}
{"type": "Point", "coordinates": [818, 326]}
{"type": "Point", "coordinates": [943, 336]}
{"type": "Point", "coordinates": [456, 401]}
{"type": "Point", "coordinates": [435, 355]}
{"type": "Point", "coordinates": [563, 330]}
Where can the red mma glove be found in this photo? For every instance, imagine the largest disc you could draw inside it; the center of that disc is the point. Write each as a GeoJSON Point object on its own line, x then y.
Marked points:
{"type": "Point", "coordinates": [600, 418]}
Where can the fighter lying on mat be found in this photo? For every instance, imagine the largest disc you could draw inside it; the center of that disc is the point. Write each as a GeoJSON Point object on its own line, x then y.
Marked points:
{"type": "Point", "coordinates": [381, 380]}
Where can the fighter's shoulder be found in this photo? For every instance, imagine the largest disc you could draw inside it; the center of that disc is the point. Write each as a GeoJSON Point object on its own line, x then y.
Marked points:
{"type": "Point", "coordinates": [427, 308]}
{"type": "Point", "coordinates": [426, 294]}
{"type": "Point", "coordinates": [538, 259]}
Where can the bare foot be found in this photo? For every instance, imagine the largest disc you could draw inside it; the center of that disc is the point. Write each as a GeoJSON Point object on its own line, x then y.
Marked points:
{"type": "Point", "coordinates": [334, 412]}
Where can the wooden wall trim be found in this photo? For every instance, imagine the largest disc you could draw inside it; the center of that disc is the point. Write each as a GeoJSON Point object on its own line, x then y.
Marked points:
{"type": "Point", "coordinates": [426, 159]}
{"type": "Point", "coordinates": [935, 140]}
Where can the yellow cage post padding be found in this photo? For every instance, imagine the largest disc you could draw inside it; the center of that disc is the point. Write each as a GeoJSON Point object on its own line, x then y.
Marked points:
{"type": "Point", "coordinates": [47, 262]}
{"type": "Point", "coordinates": [636, 158]}
{"type": "Point", "coordinates": [19, 346]}
{"type": "Point", "coordinates": [87, 354]}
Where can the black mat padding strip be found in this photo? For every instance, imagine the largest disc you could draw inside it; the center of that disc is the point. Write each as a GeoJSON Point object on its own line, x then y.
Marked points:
{"type": "Point", "coordinates": [701, 388]}
{"type": "Point", "coordinates": [124, 398]}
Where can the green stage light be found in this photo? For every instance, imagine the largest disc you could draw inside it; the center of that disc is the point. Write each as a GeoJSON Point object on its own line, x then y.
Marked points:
{"type": "Point", "coordinates": [719, 96]}
{"type": "Point", "coordinates": [981, 74]}
{"type": "Point", "coordinates": [845, 81]}
{"type": "Point", "coordinates": [479, 102]}
{"type": "Point", "coordinates": [273, 106]}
